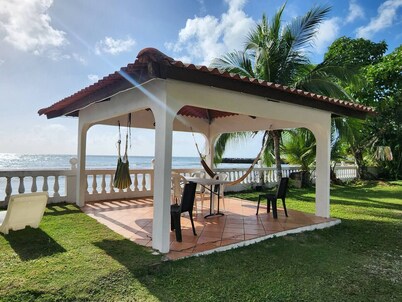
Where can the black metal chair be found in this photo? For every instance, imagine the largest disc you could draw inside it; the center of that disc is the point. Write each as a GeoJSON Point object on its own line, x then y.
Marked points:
{"type": "Point", "coordinates": [186, 205]}
{"type": "Point", "coordinates": [280, 193]}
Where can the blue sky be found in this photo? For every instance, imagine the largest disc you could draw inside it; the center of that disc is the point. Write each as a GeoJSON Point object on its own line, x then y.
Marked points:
{"type": "Point", "coordinates": [51, 49]}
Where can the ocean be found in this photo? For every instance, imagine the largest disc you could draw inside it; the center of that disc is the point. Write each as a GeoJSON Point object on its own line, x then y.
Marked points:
{"type": "Point", "coordinates": [11, 161]}
{"type": "Point", "coordinates": [29, 161]}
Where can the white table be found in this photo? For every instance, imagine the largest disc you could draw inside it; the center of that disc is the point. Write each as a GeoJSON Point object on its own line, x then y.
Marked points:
{"type": "Point", "coordinates": [210, 182]}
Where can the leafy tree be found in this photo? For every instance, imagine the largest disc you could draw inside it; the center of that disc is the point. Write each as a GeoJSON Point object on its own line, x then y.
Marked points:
{"type": "Point", "coordinates": [276, 52]}
{"type": "Point", "coordinates": [355, 52]}
{"type": "Point", "coordinates": [298, 147]}
{"type": "Point", "coordinates": [367, 59]}
{"type": "Point", "coordinates": [384, 92]}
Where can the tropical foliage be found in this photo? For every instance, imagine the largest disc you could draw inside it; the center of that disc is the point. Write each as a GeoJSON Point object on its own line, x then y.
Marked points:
{"type": "Point", "coordinates": [298, 147]}
{"type": "Point", "coordinates": [380, 86]}
{"type": "Point", "coordinates": [276, 52]}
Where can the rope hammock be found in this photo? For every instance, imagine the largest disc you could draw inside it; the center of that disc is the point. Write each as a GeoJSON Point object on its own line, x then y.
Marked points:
{"type": "Point", "coordinates": [122, 179]}
{"type": "Point", "coordinates": [212, 174]}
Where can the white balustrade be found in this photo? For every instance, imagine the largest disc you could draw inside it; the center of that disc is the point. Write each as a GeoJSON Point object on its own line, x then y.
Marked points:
{"type": "Point", "coordinates": [26, 181]}
{"type": "Point", "coordinates": [61, 183]}
{"type": "Point", "coordinates": [101, 189]}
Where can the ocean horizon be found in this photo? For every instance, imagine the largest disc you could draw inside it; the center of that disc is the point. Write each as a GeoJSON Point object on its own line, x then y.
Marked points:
{"type": "Point", "coordinates": [15, 161]}
{"type": "Point", "coordinates": [11, 161]}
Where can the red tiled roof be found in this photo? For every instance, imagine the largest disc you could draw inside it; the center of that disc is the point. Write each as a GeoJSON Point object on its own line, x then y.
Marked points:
{"type": "Point", "coordinates": [151, 63]}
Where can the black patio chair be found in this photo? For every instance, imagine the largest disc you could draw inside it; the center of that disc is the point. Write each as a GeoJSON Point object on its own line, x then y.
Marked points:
{"type": "Point", "coordinates": [186, 205]}
{"type": "Point", "coordinates": [280, 193]}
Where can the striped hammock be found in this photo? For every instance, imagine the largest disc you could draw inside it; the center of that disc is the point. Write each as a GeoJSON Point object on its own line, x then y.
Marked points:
{"type": "Point", "coordinates": [212, 174]}
{"type": "Point", "coordinates": [122, 178]}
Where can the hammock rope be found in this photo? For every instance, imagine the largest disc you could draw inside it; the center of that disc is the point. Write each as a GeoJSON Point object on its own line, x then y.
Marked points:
{"type": "Point", "coordinates": [204, 164]}
{"type": "Point", "coordinates": [122, 178]}
{"type": "Point", "coordinates": [212, 174]}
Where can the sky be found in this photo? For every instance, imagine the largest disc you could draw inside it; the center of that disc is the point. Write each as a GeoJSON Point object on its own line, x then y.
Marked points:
{"type": "Point", "coordinates": [50, 49]}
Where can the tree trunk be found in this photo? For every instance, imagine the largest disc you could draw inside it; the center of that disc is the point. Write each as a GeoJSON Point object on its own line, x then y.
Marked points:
{"type": "Point", "coordinates": [333, 177]}
{"type": "Point", "coordinates": [276, 135]}
{"type": "Point", "coordinates": [361, 168]}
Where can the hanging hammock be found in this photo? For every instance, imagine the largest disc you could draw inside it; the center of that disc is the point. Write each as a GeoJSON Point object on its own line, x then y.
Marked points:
{"type": "Point", "coordinates": [122, 179]}
{"type": "Point", "coordinates": [212, 174]}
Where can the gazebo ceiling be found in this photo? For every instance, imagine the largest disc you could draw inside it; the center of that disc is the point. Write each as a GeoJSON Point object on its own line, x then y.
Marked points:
{"type": "Point", "coordinates": [151, 64]}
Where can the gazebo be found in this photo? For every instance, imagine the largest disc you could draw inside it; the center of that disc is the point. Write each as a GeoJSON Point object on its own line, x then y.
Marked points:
{"type": "Point", "coordinates": [168, 95]}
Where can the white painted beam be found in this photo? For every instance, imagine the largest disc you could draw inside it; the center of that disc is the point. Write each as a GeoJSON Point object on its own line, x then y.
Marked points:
{"type": "Point", "coordinates": [81, 176]}
{"type": "Point", "coordinates": [323, 157]}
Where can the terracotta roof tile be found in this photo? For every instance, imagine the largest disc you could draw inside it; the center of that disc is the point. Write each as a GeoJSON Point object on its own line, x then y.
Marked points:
{"type": "Point", "coordinates": [151, 55]}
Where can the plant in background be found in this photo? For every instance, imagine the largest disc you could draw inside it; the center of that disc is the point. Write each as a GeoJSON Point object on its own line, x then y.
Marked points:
{"type": "Point", "coordinates": [299, 148]}
{"type": "Point", "coordinates": [276, 52]}
{"type": "Point", "coordinates": [376, 140]}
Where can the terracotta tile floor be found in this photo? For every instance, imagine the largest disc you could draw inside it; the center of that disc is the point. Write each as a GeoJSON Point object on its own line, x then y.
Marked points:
{"type": "Point", "coordinates": [133, 220]}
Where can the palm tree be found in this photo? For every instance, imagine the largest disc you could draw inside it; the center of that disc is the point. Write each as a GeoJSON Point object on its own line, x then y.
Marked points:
{"type": "Point", "coordinates": [276, 52]}
{"type": "Point", "coordinates": [298, 146]}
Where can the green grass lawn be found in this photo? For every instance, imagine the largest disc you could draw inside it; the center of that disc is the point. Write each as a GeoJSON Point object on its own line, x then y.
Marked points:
{"type": "Point", "coordinates": [73, 258]}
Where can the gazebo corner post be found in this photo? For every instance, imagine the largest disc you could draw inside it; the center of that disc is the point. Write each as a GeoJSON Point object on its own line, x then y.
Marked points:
{"type": "Point", "coordinates": [210, 139]}
{"type": "Point", "coordinates": [81, 184]}
{"type": "Point", "coordinates": [322, 180]}
{"type": "Point", "coordinates": [162, 179]}
{"type": "Point", "coordinates": [210, 150]}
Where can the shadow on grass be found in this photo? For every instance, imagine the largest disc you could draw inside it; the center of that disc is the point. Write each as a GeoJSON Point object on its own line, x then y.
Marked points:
{"type": "Point", "coordinates": [367, 204]}
{"type": "Point", "coordinates": [130, 255]}
{"type": "Point", "coordinates": [30, 244]}
{"type": "Point", "coordinates": [61, 209]}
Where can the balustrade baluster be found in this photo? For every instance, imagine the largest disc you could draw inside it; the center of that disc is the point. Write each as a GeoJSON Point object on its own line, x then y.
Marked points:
{"type": "Point", "coordinates": [34, 187]}
{"type": "Point", "coordinates": [103, 184]}
{"type": "Point", "coordinates": [21, 188]}
{"type": "Point", "coordinates": [9, 189]}
{"type": "Point", "coordinates": [94, 185]}
{"type": "Point", "coordinates": [136, 182]}
{"type": "Point", "coordinates": [111, 184]}
{"type": "Point", "coordinates": [144, 182]}
{"type": "Point", "coordinates": [86, 184]}
{"type": "Point", "coordinates": [56, 187]}
{"type": "Point", "coordinates": [45, 186]}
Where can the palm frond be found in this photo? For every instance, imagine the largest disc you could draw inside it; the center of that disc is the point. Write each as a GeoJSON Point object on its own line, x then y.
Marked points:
{"type": "Point", "coordinates": [237, 62]}
{"type": "Point", "coordinates": [298, 147]}
{"type": "Point", "coordinates": [223, 141]}
{"type": "Point", "coordinates": [303, 29]}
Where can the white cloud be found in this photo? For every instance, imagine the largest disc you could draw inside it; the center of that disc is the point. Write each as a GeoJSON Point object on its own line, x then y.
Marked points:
{"type": "Point", "coordinates": [114, 46]}
{"type": "Point", "coordinates": [93, 78]}
{"type": "Point", "coordinates": [236, 5]}
{"type": "Point", "coordinates": [55, 55]}
{"type": "Point", "coordinates": [203, 9]}
{"type": "Point", "coordinates": [208, 37]}
{"type": "Point", "coordinates": [25, 24]}
{"type": "Point", "coordinates": [79, 58]}
{"type": "Point", "coordinates": [327, 33]}
{"type": "Point", "coordinates": [387, 13]}
{"type": "Point", "coordinates": [355, 12]}
{"type": "Point", "coordinates": [1, 62]}
{"type": "Point", "coordinates": [40, 138]}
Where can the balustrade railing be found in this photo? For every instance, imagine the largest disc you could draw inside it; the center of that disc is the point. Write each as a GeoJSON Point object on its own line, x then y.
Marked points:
{"type": "Point", "coordinates": [19, 181]}
{"type": "Point", "coordinates": [100, 185]}
{"type": "Point", "coordinates": [61, 184]}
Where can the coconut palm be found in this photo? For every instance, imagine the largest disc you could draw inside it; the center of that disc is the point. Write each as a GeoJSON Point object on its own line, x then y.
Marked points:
{"type": "Point", "coordinates": [298, 146]}
{"type": "Point", "coordinates": [277, 52]}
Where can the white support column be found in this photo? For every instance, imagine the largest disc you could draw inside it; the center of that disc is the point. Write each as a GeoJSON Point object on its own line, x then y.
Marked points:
{"type": "Point", "coordinates": [323, 157]}
{"type": "Point", "coordinates": [162, 182]}
{"type": "Point", "coordinates": [210, 150]}
{"type": "Point", "coordinates": [81, 177]}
